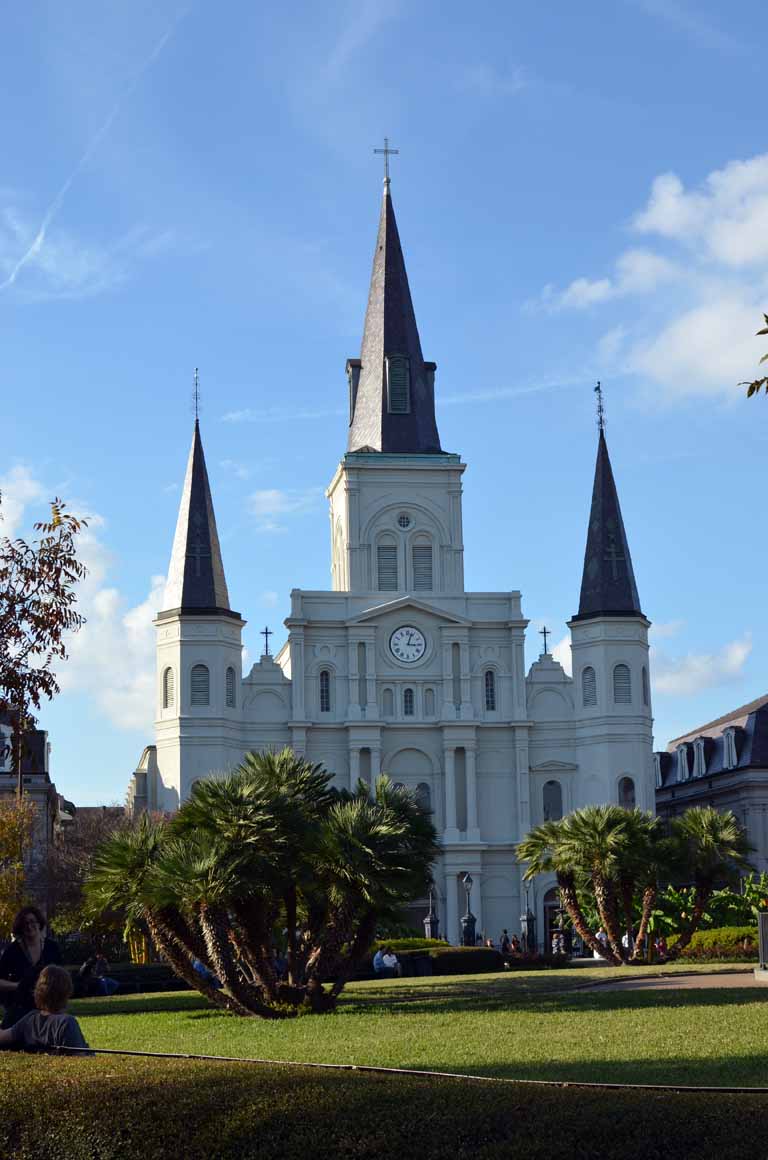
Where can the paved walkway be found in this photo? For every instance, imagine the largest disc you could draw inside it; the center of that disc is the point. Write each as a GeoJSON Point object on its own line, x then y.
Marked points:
{"type": "Point", "coordinates": [677, 982]}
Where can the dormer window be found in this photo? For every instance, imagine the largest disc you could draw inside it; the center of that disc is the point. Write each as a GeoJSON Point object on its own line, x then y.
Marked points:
{"type": "Point", "coordinates": [699, 757]}
{"type": "Point", "coordinates": [398, 385]}
{"type": "Point", "coordinates": [730, 755]}
{"type": "Point", "coordinates": [683, 768]}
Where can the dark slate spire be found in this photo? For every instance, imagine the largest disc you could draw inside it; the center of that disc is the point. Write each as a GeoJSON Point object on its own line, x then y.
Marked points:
{"type": "Point", "coordinates": [196, 581]}
{"type": "Point", "coordinates": [608, 584]}
{"type": "Point", "coordinates": [398, 417]}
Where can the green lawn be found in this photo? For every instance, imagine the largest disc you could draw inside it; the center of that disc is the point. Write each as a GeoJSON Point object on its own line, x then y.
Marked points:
{"type": "Point", "coordinates": [542, 1025]}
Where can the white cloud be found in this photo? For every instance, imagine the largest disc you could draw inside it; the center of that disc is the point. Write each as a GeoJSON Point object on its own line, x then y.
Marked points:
{"type": "Point", "coordinates": [562, 653]}
{"type": "Point", "coordinates": [269, 598]}
{"type": "Point", "coordinates": [112, 659]}
{"type": "Point", "coordinates": [683, 676]}
{"type": "Point", "coordinates": [662, 630]}
{"type": "Point", "coordinates": [269, 504]}
{"type": "Point", "coordinates": [239, 470]}
{"type": "Point", "coordinates": [488, 81]}
{"type": "Point", "coordinates": [636, 272]}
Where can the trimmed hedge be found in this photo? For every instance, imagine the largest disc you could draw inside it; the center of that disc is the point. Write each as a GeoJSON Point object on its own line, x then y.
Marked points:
{"type": "Point", "coordinates": [450, 960]}
{"type": "Point", "coordinates": [408, 944]}
{"type": "Point", "coordinates": [113, 1108]}
{"type": "Point", "coordinates": [720, 943]}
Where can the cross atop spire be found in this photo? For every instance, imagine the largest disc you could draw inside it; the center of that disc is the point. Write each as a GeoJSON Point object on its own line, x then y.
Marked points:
{"type": "Point", "coordinates": [600, 407]}
{"type": "Point", "coordinates": [387, 154]}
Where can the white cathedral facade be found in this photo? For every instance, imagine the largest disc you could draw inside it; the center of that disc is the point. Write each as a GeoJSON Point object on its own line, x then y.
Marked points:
{"type": "Point", "coordinates": [398, 668]}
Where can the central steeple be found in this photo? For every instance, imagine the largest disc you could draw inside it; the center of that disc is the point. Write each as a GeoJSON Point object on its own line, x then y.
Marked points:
{"type": "Point", "coordinates": [391, 387]}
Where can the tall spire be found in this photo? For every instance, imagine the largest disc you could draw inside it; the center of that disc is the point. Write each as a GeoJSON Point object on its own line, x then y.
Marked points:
{"type": "Point", "coordinates": [196, 581]}
{"type": "Point", "coordinates": [608, 584]}
{"type": "Point", "coordinates": [392, 400]}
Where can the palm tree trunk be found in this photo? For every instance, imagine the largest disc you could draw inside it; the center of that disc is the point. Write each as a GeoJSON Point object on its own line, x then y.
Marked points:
{"type": "Point", "coordinates": [215, 930]}
{"type": "Point", "coordinates": [605, 897]}
{"type": "Point", "coordinates": [649, 900]}
{"type": "Point", "coordinates": [357, 952]}
{"type": "Point", "coordinates": [701, 897]}
{"type": "Point", "coordinates": [178, 960]}
{"type": "Point", "coordinates": [570, 901]}
{"type": "Point", "coordinates": [290, 919]}
{"type": "Point", "coordinates": [627, 888]}
{"type": "Point", "coordinates": [254, 935]}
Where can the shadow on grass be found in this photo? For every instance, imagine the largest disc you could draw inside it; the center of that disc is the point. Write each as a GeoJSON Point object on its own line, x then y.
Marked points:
{"type": "Point", "coordinates": [141, 1004]}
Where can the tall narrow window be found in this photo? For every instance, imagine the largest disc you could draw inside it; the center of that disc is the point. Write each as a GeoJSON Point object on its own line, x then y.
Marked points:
{"type": "Point", "coordinates": [683, 763]}
{"type": "Point", "coordinates": [388, 703]}
{"type": "Point", "coordinates": [325, 691]}
{"type": "Point", "coordinates": [398, 385]}
{"type": "Point", "coordinates": [230, 688]}
{"type": "Point", "coordinates": [490, 691]}
{"type": "Point", "coordinates": [422, 567]}
{"type": "Point", "coordinates": [168, 691]}
{"type": "Point", "coordinates": [622, 685]}
{"type": "Point", "coordinates": [424, 796]}
{"type": "Point", "coordinates": [201, 685]}
{"type": "Point", "coordinates": [429, 702]}
{"type": "Point", "coordinates": [552, 801]}
{"type": "Point", "coordinates": [627, 793]}
{"type": "Point", "coordinates": [646, 691]}
{"type": "Point", "coordinates": [456, 671]}
{"type": "Point", "coordinates": [386, 563]}
{"type": "Point", "coordinates": [588, 686]}
{"type": "Point", "coordinates": [408, 703]}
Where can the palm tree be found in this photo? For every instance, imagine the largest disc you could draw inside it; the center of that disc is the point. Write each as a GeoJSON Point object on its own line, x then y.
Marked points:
{"type": "Point", "coordinates": [710, 847]}
{"type": "Point", "coordinates": [591, 841]}
{"type": "Point", "coordinates": [545, 851]}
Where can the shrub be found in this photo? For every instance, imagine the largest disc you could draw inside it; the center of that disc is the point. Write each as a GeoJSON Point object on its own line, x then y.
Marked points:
{"type": "Point", "coordinates": [448, 960]}
{"type": "Point", "coordinates": [408, 944]}
{"type": "Point", "coordinates": [724, 942]}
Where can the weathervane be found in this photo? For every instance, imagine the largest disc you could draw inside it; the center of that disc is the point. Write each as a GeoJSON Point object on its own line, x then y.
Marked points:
{"type": "Point", "coordinates": [266, 632]}
{"type": "Point", "coordinates": [600, 407]}
{"type": "Point", "coordinates": [196, 395]}
{"type": "Point", "coordinates": [545, 633]}
{"type": "Point", "coordinates": [387, 154]}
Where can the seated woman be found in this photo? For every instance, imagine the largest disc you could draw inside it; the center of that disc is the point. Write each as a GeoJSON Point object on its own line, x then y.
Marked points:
{"type": "Point", "coordinates": [49, 1026]}
{"type": "Point", "coordinates": [22, 962]}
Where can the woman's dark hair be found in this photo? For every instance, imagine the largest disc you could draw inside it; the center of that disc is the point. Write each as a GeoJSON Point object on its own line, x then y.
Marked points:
{"type": "Point", "coordinates": [53, 989]}
{"type": "Point", "coordinates": [18, 923]}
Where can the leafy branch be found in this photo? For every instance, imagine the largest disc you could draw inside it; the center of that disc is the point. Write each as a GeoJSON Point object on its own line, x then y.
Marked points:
{"type": "Point", "coordinates": [754, 387]}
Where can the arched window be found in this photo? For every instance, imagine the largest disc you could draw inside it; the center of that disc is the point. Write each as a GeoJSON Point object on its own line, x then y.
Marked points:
{"type": "Point", "coordinates": [421, 555]}
{"type": "Point", "coordinates": [388, 703]}
{"type": "Point", "coordinates": [386, 565]}
{"type": "Point", "coordinates": [588, 686]}
{"type": "Point", "coordinates": [490, 691]}
{"type": "Point", "coordinates": [429, 702]}
{"type": "Point", "coordinates": [646, 692]}
{"type": "Point", "coordinates": [325, 691]}
{"type": "Point", "coordinates": [230, 688]}
{"type": "Point", "coordinates": [627, 793]}
{"type": "Point", "coordinates": [424, 796]}
{"type": "Point", "coordinates": [552, 801]}
{"type": "Point", "coordinates": [168, 690]}
{"type": "Point", "coordinates": [622, 685]}
{"type": "Point", "coordinates": [408, 703]}
{"type": "Point", "coordinates": [201, 685]}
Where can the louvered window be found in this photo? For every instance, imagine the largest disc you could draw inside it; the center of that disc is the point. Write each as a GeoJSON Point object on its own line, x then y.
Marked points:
{"type": "Point", "coordinates": [230, 688]}
{"type": "Point", "coordinates": [589, 686]}
{"type": "Point", "coordinates": [325, 691]}
{"type": "Point", "coordinates": [168, 690]}
{"type": "Point", "coordinates": [490, 691]}
{"type": "Point", "coordinates": [408, 703]}
{"type": "Point", "coordinates": [386, 558]}
{"type": "Point", "coordinates": [422, 567]}
{"type": "Point", "coordinates": [201, 685]}
{"type": "Point", "coordinates": [622, 685]}
{"type": "Point", "coordinates": [398, 385]}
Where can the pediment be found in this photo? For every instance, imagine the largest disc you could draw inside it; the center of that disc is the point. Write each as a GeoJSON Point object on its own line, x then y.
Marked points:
{"type": "Point", "coordinates": [553, 767]}
{"type": "Point", "coordinates": [405, 603]}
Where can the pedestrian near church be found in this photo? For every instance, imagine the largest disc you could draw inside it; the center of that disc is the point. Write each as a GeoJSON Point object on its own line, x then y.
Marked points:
{"type": "Point", "coordinates": [22, 962]}
{"type": "Point", "coordinates": [505, 946]}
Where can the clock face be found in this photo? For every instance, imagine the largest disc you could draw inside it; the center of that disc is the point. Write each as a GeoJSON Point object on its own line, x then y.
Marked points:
{"type": "Point", "coordinates": [407, 644]}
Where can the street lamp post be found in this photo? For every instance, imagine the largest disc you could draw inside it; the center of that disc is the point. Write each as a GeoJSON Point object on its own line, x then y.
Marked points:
{"type": "Point", "coordinates": [468, 921]}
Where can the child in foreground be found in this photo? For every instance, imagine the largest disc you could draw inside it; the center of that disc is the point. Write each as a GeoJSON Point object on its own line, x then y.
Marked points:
{"type": "Point", "coordinates": [49, 1026]}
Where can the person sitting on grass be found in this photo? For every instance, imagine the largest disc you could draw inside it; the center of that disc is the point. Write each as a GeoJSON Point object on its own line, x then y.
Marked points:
{"type": "Point", "coordinates": [49, 1027]}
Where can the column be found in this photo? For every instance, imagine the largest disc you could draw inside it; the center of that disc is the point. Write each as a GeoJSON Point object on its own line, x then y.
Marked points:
{"type": "Point", "coordinates": [354, 767]}
{"type": "Point", "coordinates": [353, 711]}
{"type": "Point", "coordinates": [297, 674]}
{"type": "Point", "coordinates": [372, 708]}
{"type": "Point", "coordinates": [451, 833]}
{"type": "Point", "coordinates": [375, 763]}
{"type": "Point", "coordinates": [467, 710]}
{"type": "Point", "coordinates": [523, 784]}
{"type": "Point", "coordinates": [451, 928]}
{"type": "Point", "coordinates": [470, 755]}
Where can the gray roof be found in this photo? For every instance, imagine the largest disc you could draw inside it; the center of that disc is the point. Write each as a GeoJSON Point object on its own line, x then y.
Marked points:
{"type": "Point", "coordinates": [390, 329]}
{"type": "Point", "coordinates": [196, 581]}
{"type": "Point", "coordinates": [608, 583]}
{"type": "Point", "coordinates": [750, 722]}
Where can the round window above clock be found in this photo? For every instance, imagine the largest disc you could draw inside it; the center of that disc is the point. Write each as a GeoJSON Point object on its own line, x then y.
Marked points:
{"type": "Point", "coordinates": [407, 644]}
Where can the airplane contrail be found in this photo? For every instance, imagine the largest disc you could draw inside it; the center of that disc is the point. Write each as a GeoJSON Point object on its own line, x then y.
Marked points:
{"type": "Point", "coordinates": [39, 238]}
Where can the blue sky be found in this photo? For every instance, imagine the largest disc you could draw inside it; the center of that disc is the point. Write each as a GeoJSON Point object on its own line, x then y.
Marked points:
{"type": "Point", "coordinates": [582, 193]}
